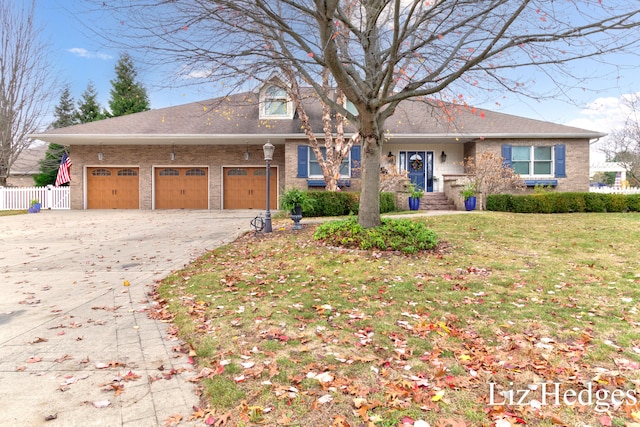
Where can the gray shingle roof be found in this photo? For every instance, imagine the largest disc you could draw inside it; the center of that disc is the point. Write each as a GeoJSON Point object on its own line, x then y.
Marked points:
{"type": "Point", "coordinates": [237, 117]}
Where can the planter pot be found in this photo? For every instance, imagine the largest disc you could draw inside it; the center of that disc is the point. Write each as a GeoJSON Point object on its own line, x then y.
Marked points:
{"type": "Point", "coordinates": [470, 203]}
{"type": "Point", "coordinates": [414, 203]}
{"type": "Point", "coordinates": [36, 207]}
{"type": "Point", "coordinates": [296, 216]}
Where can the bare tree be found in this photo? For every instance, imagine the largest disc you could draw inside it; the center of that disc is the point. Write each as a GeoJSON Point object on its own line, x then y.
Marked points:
{"type": "Point", "coordinates": [489, 175]}
{"type": "Point", "coordinates": [381, 52]}
{"type": "Point", "coordinates": [623, 144]}
{"type": "Point", "coordinates": [26, 85]}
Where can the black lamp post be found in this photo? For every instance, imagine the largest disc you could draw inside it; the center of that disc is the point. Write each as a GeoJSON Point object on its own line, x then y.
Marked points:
{"type": "Point", "coordinates": [268, 149]}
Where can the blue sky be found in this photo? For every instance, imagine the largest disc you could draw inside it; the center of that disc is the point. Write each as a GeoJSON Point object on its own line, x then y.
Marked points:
{"type": "Point", "coordinates": [82, 57]}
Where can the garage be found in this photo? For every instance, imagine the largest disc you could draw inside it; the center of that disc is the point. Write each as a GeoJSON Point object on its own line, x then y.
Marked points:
{"type": "Point", "coordinates": [113, 188]}
{"type": "Point", "coordinates": [181, 188]}
{"type": "Point", "coordinates": [246, 188]}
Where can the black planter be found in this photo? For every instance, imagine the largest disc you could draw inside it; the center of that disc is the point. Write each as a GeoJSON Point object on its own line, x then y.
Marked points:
{"type": "Point", "coordinates": [296, 216]}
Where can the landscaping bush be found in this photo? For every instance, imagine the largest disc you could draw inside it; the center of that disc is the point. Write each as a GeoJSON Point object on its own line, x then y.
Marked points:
{"type": "Point", "coordinates": [633, 202]}
{"type": "Point", "coordinates": [401, 235]}
{"type": "Point", "coordinates": [340, 203]}
{"type": "Point", "coordinates": [616, 203]}
{"type": "Point", "coordinates": [387, 202]}
{"type": "Point", "coordinates": [554, 202]}
{"type": "Point", "coordinates": [595, 202]}
{"type": "Point", "coordinates": [499, 202]}
{"type": "Point", "coordinates": [568, 202]}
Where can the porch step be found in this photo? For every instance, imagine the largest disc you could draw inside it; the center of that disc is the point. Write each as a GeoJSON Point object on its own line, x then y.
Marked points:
{"type": "Point", "coordinates": [436, 202]}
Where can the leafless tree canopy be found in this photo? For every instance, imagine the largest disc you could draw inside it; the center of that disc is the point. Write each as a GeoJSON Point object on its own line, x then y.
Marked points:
{"type": "Point", "coordinates": [624, 144]}
{"type": "Point", "coordinates": [26, 86]}
{"type": "Point", "coordinates": [379, 52]}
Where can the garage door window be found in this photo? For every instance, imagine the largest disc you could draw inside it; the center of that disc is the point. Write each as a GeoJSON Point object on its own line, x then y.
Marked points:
{"type": "Point", "coordinates": [127, 172]}
{"type": "Point", "coordinates": [101, 172]}
{"type": "Point", "coordinates": [169, 172]}
{"type": "Point", "coordinates": [237, 172]}
{"type": "Point", "coordinates": [196, 172]}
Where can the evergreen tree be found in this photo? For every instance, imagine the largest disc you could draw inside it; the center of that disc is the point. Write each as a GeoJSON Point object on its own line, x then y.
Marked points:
{"type": "Point", "coordinates": [65, 115]}
{"type": "Point", "coordinates": [65, 112]}
{"type": "Point", "coordinates": [88, 107]}
{"type": "Point", "coordinates": [127, 95]}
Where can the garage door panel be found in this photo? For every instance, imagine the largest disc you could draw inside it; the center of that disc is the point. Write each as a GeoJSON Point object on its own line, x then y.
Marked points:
{"type": "Point", "coordinates": [113, 188]}
{"type": "Point", "coordinates": [181, 188]}
{"type": "Point", "coordinates": [246, 188]}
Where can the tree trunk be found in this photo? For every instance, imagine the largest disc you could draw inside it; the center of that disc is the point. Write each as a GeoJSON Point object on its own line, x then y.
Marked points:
{"type": "Point", "coordinates": [370, 135]}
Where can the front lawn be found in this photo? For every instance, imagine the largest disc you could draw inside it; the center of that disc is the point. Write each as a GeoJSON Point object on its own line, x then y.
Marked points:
{"type": "Point", "coordinates": [509, 313]}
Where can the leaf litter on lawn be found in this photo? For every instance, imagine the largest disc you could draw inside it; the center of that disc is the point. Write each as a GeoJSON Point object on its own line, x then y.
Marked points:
{"type": "Point", "coordinates": [286, 331]}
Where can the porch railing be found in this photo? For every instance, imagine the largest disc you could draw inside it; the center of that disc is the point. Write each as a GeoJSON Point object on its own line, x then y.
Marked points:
{"type": "Point", "coordinates": [19, 198]}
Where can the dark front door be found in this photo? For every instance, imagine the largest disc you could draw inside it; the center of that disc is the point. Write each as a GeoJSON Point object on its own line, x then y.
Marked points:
{"type": "Point", "coordinates": [419, 166]}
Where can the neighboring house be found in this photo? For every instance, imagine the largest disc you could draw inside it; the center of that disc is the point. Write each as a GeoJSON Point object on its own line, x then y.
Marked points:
{"type": "Point", "coordinates": [208, 155]}
{"type": "Point", "coordinates": [26, 166]}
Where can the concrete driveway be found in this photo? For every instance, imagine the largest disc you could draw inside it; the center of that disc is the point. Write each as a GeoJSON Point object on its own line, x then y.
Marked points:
{"type": "Point", "coordinates": [76, 345]}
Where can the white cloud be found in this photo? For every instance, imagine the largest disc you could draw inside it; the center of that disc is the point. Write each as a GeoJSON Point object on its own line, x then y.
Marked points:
{"type": "Point", "coordinates": [606, 115]}
{"type": "Point", "coordinates": [84, 53]}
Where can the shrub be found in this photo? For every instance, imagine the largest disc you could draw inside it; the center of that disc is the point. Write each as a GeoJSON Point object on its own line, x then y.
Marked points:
{"type": "Point", "coordinates": [499, 202]}
{"type": "Point", "coordinates": [387, 202]}
{"type": "Point", "coordinates": [401, 235]}
{"type": "Point", "coordinates": [340, 203]}
{"type": "Point", "coordinates": [595, 202]}
{"type": "Point", "coordinates": [633, 202]}
{"type": "Point", "coordinates": [616, 203]}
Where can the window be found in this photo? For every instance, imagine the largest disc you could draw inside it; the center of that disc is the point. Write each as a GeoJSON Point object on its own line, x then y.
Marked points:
{"type": "Point", "coordinates": [276, 104]}
{"type": "Point", "coordinates": [196, 172]}
{"type": "Point", "coordinates": [169, 172]}
{"type": "Point", "coordinates": [127, 172]}
{"type": "Point", "coordinates": [101, 172]}
{"type": "Point", "coordinates": [316, 171]}
{"type": "Point", "coordinates": [527, 160]}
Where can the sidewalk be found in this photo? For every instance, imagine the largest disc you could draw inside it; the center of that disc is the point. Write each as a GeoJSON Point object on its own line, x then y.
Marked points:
{"type": "Point", "coordinates": [76, 345]}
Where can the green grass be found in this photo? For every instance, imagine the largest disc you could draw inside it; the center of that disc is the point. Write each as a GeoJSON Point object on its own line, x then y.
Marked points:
{"type": "Point", "coordinates": [503, 298]}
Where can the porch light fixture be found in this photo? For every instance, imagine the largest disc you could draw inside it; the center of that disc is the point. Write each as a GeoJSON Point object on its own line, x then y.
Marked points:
{"type": "Point", "coordinates": [247, 155]}
{"type": "Point", "coordinates": [443, 157]}
{"type": "Point", "coordinates": [100, 156]}
{"type": "Point", "coordinates": [268, 149]}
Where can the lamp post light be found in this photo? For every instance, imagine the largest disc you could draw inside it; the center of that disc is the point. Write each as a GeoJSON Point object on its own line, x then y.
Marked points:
{"type": "Point", "coordinates": [268, 149]}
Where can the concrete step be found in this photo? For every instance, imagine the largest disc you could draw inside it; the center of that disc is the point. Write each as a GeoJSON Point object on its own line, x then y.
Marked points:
{"type": "Point", "coordinates": [436, 202]}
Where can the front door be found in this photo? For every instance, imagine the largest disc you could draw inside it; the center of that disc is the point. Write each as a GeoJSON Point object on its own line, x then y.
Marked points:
{"type": "Point", "coordinates": [419, 167]}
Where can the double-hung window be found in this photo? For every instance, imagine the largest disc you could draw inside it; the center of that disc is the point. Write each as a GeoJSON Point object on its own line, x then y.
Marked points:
{"type": "Point", "coordinates": [532, 160]}
{"type": "Point", "coordinates": [314, 167]}
{"type": "Point", "coordinates": [276, 104]}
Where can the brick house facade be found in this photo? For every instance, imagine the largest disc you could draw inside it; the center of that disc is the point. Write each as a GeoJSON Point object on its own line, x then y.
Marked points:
{"type": "Point", "coordinates": [212, 151]}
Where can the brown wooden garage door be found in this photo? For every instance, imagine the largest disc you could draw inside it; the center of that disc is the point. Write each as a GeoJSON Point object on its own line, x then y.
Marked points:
{"type": "Point", "coordinates": [246, 188]}
{"type": "Point", "coordinates": [113, 188]}
{"type": "Point", "coordinates": [181, 188]}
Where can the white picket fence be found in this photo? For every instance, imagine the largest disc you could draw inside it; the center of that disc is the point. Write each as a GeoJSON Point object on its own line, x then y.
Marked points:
{"type": "Point", "coordinates": [614, 190]}
{"type": "Point", "coordinates": [19, 198]}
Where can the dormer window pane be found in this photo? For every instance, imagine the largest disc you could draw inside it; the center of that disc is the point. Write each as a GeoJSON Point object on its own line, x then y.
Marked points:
{"type": "Point", "coordinates": [275, 101]}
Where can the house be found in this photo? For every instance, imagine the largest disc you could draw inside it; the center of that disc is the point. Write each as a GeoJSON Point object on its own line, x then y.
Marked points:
{"type": "Point", "coordinates": [208, 155]}
{"type": "Point", "coordinates": [26, 166]}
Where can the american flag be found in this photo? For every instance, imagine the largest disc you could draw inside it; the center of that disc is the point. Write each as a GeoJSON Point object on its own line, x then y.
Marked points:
{"type": "Point", "coordinates": [63, 171]}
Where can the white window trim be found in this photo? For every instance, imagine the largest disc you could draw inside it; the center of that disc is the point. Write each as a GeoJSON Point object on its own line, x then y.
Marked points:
{"type": "Point", "coordinates": [263, 104]}
{"type": "Point", "coordinates": [532, 162]}
{"type": "Point", "coordinates": [342, 176]}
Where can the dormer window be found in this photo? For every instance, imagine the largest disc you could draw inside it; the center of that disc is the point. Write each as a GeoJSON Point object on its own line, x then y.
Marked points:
{"type": "Point", "coordinates": [276, 104]}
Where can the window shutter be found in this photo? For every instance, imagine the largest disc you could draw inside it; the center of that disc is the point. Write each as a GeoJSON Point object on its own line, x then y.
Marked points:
{"type": "Point", "coordinates": [355, 158]}
{"type": "Point", "coordinates": [560, 166]}
{"type": "Point", "coordinates": [303, 161]}
{"type": "Point", "coordinates": [506, 155]}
